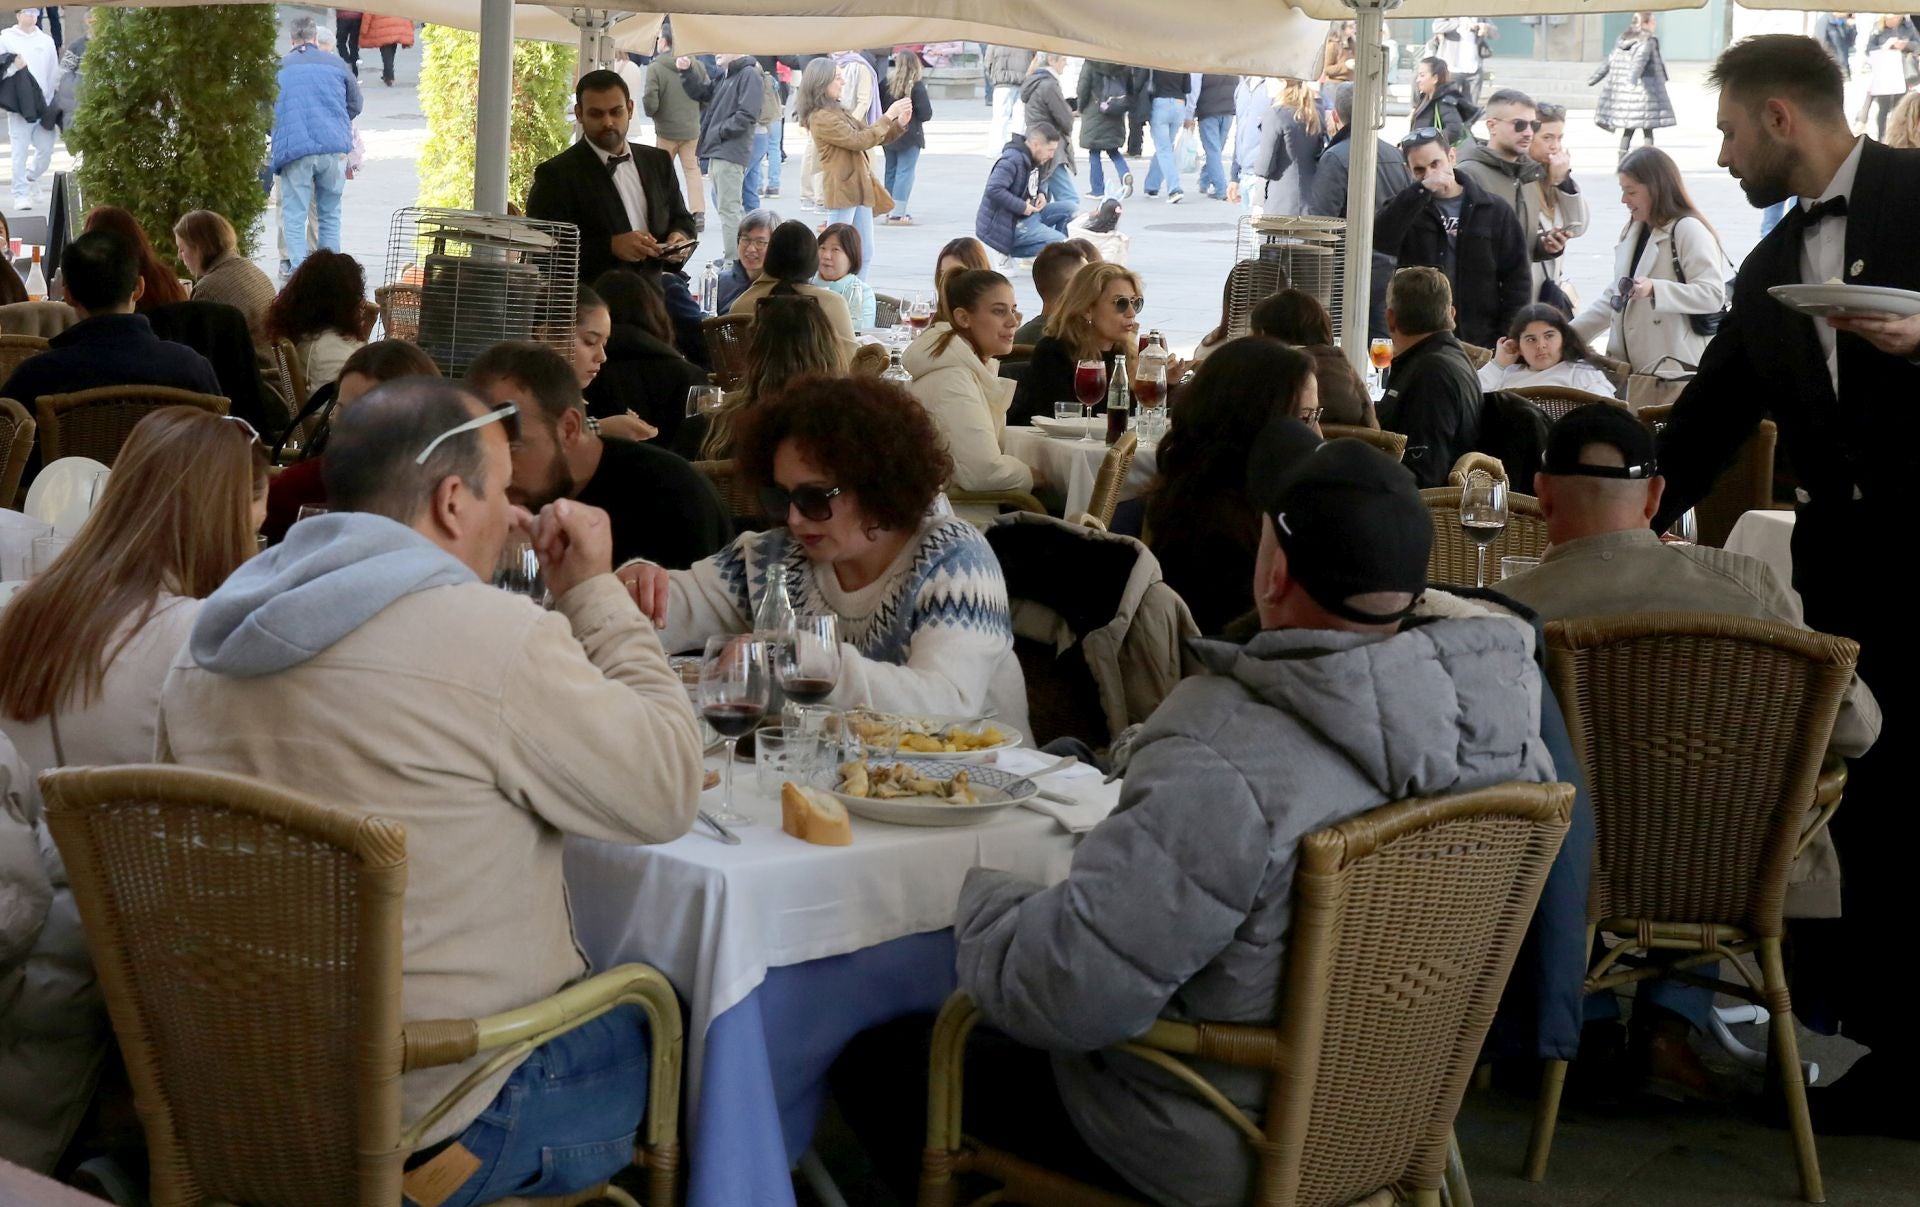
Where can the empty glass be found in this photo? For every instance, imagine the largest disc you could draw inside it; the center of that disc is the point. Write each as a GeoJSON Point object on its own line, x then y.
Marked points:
{"type": "Point", "coordinates": [97, 489]}
{"type": "Point", "coordinates": [1510, 566]}
{"type": "Point", "coordinates": [519, 569]}
{"type": "Point", "coordinates": [781, 754]}
{"type": "Point", "coordinates": [733, 697]}
{"type": "Point", "coordinates": [46, 551]}
{"type": "Point", "coordinates": [704, 400]}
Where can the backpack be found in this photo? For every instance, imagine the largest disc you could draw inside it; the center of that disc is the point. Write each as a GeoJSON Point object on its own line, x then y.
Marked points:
{"type": "Point", "coordinates": [770, 106]}
{"type": "Point", "coordinates": [1515, 431]}
{"type": "Point", "coordinates": [1113, 94]}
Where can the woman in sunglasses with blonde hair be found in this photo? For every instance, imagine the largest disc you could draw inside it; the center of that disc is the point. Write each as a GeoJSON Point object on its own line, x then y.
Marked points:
{"type": "Point", "coordinates": [849, 469]}
{"type": "Point", "coordinates": [1097, 318]}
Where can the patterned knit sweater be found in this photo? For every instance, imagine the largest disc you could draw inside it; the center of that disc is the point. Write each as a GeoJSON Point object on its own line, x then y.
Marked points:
{"type": "Point", "coordinates": [931, 635]}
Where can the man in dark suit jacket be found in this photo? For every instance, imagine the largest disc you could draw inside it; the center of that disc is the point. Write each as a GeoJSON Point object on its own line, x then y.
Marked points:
{"type": "Point", "coordinates": [1842, 392]}
{"type": "Point", "coordinates": [623, 198]}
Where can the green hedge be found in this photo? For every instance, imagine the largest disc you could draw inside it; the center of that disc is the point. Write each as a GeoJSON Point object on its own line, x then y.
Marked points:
{"type": "Point", "coordinates": [176, 107]}
{"type": "Point", "coordinates": [449, 90]}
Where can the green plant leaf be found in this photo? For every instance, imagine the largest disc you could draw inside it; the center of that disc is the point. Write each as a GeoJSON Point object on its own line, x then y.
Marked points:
{"type": "Point", "coordinates": [449, 96]}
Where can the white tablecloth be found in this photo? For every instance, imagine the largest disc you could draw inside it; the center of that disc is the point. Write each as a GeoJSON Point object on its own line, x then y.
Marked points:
{"type": "Point", "coordinates": [713, 918]}
{"type": "Point", "coordinates": [1072, 465]}
{"type": "Point", "coordinates": [1767, 535]}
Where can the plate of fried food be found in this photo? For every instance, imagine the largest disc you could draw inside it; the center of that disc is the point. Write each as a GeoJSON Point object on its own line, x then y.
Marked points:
{"type": "Point", "coordinates": [915, 792]}
{"type": "Point", "coordinates": [937, 739]}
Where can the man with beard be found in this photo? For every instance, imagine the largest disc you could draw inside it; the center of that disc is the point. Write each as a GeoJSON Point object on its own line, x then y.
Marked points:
{"type": "Point", "coordinates": [1841, 391]}
{"type": "Point", "coordinates": [660, 507]}
{"type": "Point", "coordinates": [624, 199]}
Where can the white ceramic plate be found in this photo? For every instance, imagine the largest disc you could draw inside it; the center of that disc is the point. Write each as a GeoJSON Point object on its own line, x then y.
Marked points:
{"type": "Point", "coordinates": [996, 789]}
{"type": "Point", "coordinates": [934, 724]}
{"type": "Point", "coordinates": [1822, 300]}
{"type": "Point", "coordinates": [1070, 429]}
{"type": "Point", "coordinates": [59, 495]}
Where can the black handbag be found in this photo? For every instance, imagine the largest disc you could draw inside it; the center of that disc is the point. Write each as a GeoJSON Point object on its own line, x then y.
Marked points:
{"type": "Point", "coordinates": [1702, 324]}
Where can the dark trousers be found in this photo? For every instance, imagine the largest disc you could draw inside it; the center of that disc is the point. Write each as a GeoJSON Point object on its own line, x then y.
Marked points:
{"type": "Point", "coordinates": [386, 61]}
{"type": "Point", "coordinates": [1626, 139]}
{"type": "Point", "coordinates": [880, 1083]}
{"type": "Point", "coordinates": [346, 40]}
{"type": "Point", "coordinates": [1136, 132]}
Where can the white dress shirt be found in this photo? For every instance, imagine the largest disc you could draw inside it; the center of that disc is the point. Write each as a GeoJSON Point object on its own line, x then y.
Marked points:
{"type": "Point", "coordinates": [626, 182]}
{"type": "Point", "coordinates": [1823, 252]}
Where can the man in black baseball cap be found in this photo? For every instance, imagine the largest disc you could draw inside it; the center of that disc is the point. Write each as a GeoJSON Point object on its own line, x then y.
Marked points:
{"type": "Point", "coordinates": [1345, 542]}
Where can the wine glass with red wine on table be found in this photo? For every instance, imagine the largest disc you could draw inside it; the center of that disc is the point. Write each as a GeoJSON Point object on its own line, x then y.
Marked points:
{"type": "Point", "coordinates": [733, 699]}
{"type": "Point", "coordinates": [1090, 387]}
{"type": "Point", "coordinates": [807, 666]}
{"type": "Point", "coordinates": [1483, 516]}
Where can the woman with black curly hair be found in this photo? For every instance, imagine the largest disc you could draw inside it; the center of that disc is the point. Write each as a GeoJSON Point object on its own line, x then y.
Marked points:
{"type": "Point", "coordinates": [319, 309]}
{"type": "Point", "coordinates": [849, 467]}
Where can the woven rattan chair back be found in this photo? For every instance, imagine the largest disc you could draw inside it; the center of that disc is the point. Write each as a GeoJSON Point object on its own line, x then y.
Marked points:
{"type": "Point", "coordinates": [44, 319]}
{"type": "Point", "coordinates": [1701, 737]}
{"type": "Point", "coordinates": [1471, 463]}
{"type": "Point", "coordinates": [399, 311]}
{"type": "Point", "coordinates": [726, 337]}
{"type": "Point", "coordinates": [887, 309]}
{"type": "Point", "coordinates": [1451, 564]}
{"type": "Point", "coordinates": [291, 375]}
{"type": "Point", "coordinates": [1394, 444]}
{"type": "Point", "coordinates": [95, 423]}
{"type": "Point", "coordinates": [1617, 371]}
{"type": "Point", "coordinates": [1476, 355]}
{"type": "Point", "coordinates": [1114, 468]}
{"type": "Point", "coordinates": [16, 444]}
{"type": "Point", "coordinates": [248, 945]}
{"type": "Point", "coordinates": [742, 503]}
{"type": "Point", "coordinates": [1747, 484]}
{"type": "Point", "coordinates": [16, 348]}
{"type": "Point", "coordinates": [1407, 920]}
{"type": "Point", "coordinates": [1555, 401]}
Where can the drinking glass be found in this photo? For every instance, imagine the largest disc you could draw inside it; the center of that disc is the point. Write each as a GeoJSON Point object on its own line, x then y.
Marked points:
{"type": "Point", "coordinates": [1380, 353]}
{"type": "Point", "coordinates": [1150, 385]}
{"type": "Point", "coordinates": [1483, 516]}
{"type": "Point", "coordinates": [46, 551]}
{"type": "Point", "coordinates": [781, 753]}
{"type": "Point", "coordinates": [1069, 412]}
{"type": "Point", "coordinates": [1090, 387]}
{"type": "Point", "coordinates": [733, 698]}
{"type": "Point", "coordinates": [703, 400]}
{"type": "Point", "coordinates": [807, 664]}
{"type": "Point", "coordinates": [519, 569]}
{"type": "Point", "coordinates": [309, 512]}
{"type": "Point", "coordinates": [97, 488]}
{"type": "Point", "coordinates": [919, 313]}
{"type": "Point", "coordinates": [1511, 565]}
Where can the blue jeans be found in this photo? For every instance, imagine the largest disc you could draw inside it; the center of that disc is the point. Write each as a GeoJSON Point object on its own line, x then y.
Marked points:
{"type": "Point", "coordinates": [312, 182]}
{"type": "Point", "coordinates": [1691, 1002]}
{"type": "Point", "coordinates": [565, 1120]}
{"type": "Point", "coordinates": [1165, 120]}
{"type": "Point", "coordinates": [776, 143]}
{"type": "Point", "coordinates": [1061, 188]}
{"type": "Point", "coordinates": [1770, 217]}
{"type": "Point", "coordinates": [756, 173]}
{"type": "Point", "coordinates": [1037, 230]}
{"type": "Point", "coordinates": [1213, 136]}
{"type": "Point", "coordinates": [1120, 170]}
{"type": "Point", "coordinates": [902, 161]}
{"type": "Point", "coordinates": [862, 218]}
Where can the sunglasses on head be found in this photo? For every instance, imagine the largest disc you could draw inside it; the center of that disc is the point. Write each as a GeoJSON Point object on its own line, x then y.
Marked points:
{"type": "Point", "coordinates": [1422, 136]}
{"type": "Point", "coordinates": [252, 435]}
{"type": "Point", "coordinates": [812, 502]}
{"type": "Point", "coordinates": [1521, 125]}
{"type": "Point", "coordinates": [507, 416]}
{"type": "Point", "coordinates": [1127, 305]}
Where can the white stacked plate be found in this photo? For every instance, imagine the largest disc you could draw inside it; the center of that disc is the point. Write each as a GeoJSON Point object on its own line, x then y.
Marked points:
{"type": "Point", "coordinates": [1071, 429]}
{"type": "Point", "coordinates": [1820, 301]}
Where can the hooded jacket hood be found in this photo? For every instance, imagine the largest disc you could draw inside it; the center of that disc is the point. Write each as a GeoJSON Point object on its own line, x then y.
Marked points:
{"type": "Point", "coordinates": [920, 359]}
{"type": "Point", "coordinates": [1523, 170]}
{"type": "Point", "coordinates": [331, 575]}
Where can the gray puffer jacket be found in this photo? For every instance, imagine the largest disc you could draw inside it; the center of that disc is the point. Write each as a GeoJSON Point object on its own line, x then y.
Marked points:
{"type": "Point", "coordinates": [1181, 902]}
{"type": "Point", "coordinates": [1635, 96]}
{"type": "Point", "coordinates": [1007, 66]}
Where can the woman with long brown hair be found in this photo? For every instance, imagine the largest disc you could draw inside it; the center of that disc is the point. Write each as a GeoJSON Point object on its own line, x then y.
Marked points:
{"type": "Point", "coordinates": [163, 284]}
{"type": "Point", "coordinates": [791, 337]}
{"type": "Point", "coordinates": [320, 310]}
{"type": "Point", "coordinates": [955, 366]}
{"type": "Point", "coordinates": [848, 190]}
{"type": "Point", "coordinates": [1291, 140]}
{"type": "Point", "coordinates": [1097, 318]}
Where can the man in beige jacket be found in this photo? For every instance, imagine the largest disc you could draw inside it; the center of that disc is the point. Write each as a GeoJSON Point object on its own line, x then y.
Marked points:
{"type": "Point", "coordinates": [366, 661]}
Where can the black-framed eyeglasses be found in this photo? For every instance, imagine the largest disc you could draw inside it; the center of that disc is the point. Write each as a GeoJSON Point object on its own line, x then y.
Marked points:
{"type": "Point", "coordinates": [1639, 472]}
{"type": "Point", "coordinates": [1129, 305]}
{"type": "Point", "coordinates": [762, 242]}
{"type": "Point", "coordinates": [812, 502]}
{"type": "Point", "coordinates": [1421, 136]}
{"type": "Point", "coordinates": [507, 415]}
{"type": "Point", "coordinates": [1522, 124]}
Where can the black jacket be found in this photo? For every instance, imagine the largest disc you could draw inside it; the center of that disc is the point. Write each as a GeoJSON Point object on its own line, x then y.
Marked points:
{"type": "Point", "coordinates": [219, 332]}
{"type": "Point", "coordinates": [645, 376]}
{"type": "Point", "coordinates": [1448, 110]}
{"type": "Point", "coordinates": [1169, 85]}
{"type": "Point", "coordinates": [1105, 130]}
{"type": "Point", "coordinates": [1328, 199]}
{"type": "Point", "coordinates": [574, 187]}
{"type": "Point", "coordinates": [20, 93]}
{"type": "Point", "coordinates": [1048, 379]}
{"type": "Point", "coordinates": [1216, 95]}
{"type": "Point", "coordinates": [729, 109]}
{"type": "Point", "coordinates": [1491, 275]}
{"type": "Point", "coordinates": [915, 135]}
{"type": "Point", "coordinates": [1433, 398]}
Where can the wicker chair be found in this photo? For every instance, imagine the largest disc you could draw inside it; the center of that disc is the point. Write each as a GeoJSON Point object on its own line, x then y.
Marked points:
{"type": "Point", "coordinates": [1451, 564]}
{"type": "Point", "coordinates": [399, 307]}
{"type": "Point", "coordinates": [1406, 923]}
{"type": "Point", "coordinates": [248, 944]}
{"type": "Point", "coordinates": [1556, 401]}
{"type": "Point", "coordinates": [1472, 463]}
{"type": "Point", "coordinates": [1010, 500]}
{"type": "Point", "coordinates": [1114, 468]}
{"type": "Point", "coordinates": [1747, 485]}
{"type": "Point", "coordinates": [16, 444]}
{"type": "Point", "coordinates": [726, 338]}
{"type": "Point", "coordinates": [16, 348]}
{"type": "Point", "coordinates": [1702, 738]}
{"type": "Point", "coordinates": [1617, 371]}
{"type": "Point", "coordinates": [1476, 355]}
{"type": "Point", "coordinates": [1394, 444]}
{"type": "Point", "coordinates": [887, 309]}
{"type": "Point", "coordinates": [743, 504]}
{"type": "Point", "coordinates": [95, 423]}
{"type": "Point", "coordinates": [44, 319]}
{"type": "Point", "coordinates": [291, 376]}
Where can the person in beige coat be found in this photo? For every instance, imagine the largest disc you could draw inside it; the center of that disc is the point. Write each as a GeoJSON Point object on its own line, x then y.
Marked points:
{"type": "Point", "coordinates": [1667, 268]}
{"type": "Point", "coordinates": [848, 190]}
{"type": "Point", "coordinates": [366, 661]}
{"type": "Point", "coordinates": [791, 264]}
{"type": "Point", "coordinates": [955, 369]}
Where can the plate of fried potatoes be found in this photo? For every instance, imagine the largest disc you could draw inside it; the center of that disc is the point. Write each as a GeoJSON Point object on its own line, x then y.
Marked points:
{"type": "Point", "coordinates": [940, 739]}
{"type": "Point", "coordinates": [914, 792]}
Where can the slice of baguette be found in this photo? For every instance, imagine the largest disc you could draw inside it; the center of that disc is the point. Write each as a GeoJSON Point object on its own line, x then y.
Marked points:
{"type": "Point", "coordinates": [814, 816]}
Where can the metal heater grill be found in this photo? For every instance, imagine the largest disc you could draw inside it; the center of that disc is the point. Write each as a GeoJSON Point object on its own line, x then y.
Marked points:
{"type": "Point", "coordinates": [458, 282]}
{"type": "Point", "coordinates": [1274, 252]}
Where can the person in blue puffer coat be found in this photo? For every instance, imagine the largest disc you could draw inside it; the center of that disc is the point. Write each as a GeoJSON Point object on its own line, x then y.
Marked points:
{"type": "Point", "coordinates": [312, 134]}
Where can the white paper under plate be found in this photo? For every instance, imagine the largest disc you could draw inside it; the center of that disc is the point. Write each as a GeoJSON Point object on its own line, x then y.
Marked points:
{"type": "Point", "coordinates": [996, 789]}
{"type": "Point", "coordinates": [1071, 429]}
{"type": "Point", "coordinates": [1822, 300]}
{"type": "Point", "coordinates": [923, 723]}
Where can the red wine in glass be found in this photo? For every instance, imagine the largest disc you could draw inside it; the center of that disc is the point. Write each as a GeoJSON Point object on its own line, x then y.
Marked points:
{"type": "Point", "coordinates": [807, 689]}
{"type": "Point", "coordinates": [1090, 383]}
{"type": "Point", "coordinates": [733, 720]}
{"type": "Point", "coordinates": [1149, 391]}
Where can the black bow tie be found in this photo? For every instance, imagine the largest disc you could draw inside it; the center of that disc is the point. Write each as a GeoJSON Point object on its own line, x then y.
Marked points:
{"type": "Point", "coordinates": [1832, 207]}
{"type": "Point", "coordinates": [614, 162]}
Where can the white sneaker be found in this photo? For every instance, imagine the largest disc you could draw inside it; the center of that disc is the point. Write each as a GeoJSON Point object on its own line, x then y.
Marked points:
{"type": "Point", "coordinates": [23, 204]}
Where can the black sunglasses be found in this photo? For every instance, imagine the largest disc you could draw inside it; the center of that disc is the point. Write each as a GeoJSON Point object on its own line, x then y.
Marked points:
{"type": "Point", "coordinates": [1521, 125]}
{"type": "Point", "coordinates": [1422, 136]}
{"type": "Point", "coordinates": [813, 502]}
{"type": "Point", "coordinates": [1127, 305]}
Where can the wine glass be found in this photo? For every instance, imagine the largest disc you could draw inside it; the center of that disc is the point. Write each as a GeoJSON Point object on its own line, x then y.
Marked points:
{"type": "Point", "coordinates": [518, 570]}
{"type": "Point", "coordinates": [808, 666]}
{"type": "Point", "coordinates": [1380, 352]}
{"type": "Point", "coordinates": [1089, 386]}
{"type": "Point", "coordinates": [919, 313]}
{"type": "Point", "coordinates": [1150, 384]}
{"type": "Point", "coordinates": [703, 400]}
{"type": "Point", "coordinates": [1483, 516]}
{"type": "Point", "coordinates": [733, 699]}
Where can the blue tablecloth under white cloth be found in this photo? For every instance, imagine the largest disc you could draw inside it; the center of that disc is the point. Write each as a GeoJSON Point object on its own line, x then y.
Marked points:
{"type": "Point", "coordinates": [783, 952]}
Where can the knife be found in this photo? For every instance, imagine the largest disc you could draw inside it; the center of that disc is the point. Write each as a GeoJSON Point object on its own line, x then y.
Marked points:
{"type": "Point", "coordinates": [724, 835]}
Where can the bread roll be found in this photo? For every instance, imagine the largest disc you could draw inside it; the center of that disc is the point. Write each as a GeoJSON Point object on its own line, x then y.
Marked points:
{"type": "Point", "coordinates": [814, 816]}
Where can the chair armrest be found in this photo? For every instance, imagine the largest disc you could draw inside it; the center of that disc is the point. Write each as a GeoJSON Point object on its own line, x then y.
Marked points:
{"type": "Point", "coordinates": [1827, 792]}
{"type": "Point", "coordinates": [1019, 500]}
{"type": "Point", "coordinates": [1227, 1043]}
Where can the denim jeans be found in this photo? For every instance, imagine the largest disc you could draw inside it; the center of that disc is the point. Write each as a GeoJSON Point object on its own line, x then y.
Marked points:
{"type": "Point", "coordinates": [861, 216]}
{"type": "Point", "coordinates": [1009, 117]}
{"type": "Point", "coordinates": [1213, 136]}
{"type": "Point", "coordinates": [728, 187]}
{"type": "Point", "coordinates": [1061, 188]}
{"type": "Point", "coordinates": [756, 173]}
{"type": "Point", "coordinates": [1120, 171]}
{"type": "Point", "coordinates": [312, 182]}
{"type": "Point", "coordinates": [565, 1120]}
{"type": "Point", "coordinates": [776, 151]}
{"type": "Point", "coordinates": [901, 163]}
{"type": "Point", "coordinates": [32, 152]}
{"type": "Point", "coordinates": [1169, 113]}
{"type": "Point", "coordinates": [1037, 230]}
{"type": "Point", "coordinates": [1691, 1002]}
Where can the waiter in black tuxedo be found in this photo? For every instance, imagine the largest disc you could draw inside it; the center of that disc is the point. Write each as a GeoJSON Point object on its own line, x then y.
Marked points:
{"type": "Point", "coordinates": [1843, 391]}
{"type": "Point", "coordinates": [623, 198]}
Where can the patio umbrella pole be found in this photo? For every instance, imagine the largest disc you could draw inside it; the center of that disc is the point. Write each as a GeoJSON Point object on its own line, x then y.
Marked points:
{"type": "Point", "coordinates": [1369, 91]}
{"type": "Point", "coordinates": [495, 117]}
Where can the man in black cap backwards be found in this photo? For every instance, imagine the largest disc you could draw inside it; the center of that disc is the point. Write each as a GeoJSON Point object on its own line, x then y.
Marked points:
{"type": "Point", "coordinates": [1184, 892]}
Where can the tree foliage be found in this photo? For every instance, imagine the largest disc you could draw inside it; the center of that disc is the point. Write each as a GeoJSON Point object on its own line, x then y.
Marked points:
{"type": "Point", "coordinates": [176, 105]}
{"type": "Point", "coordinates": [449, 94]}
